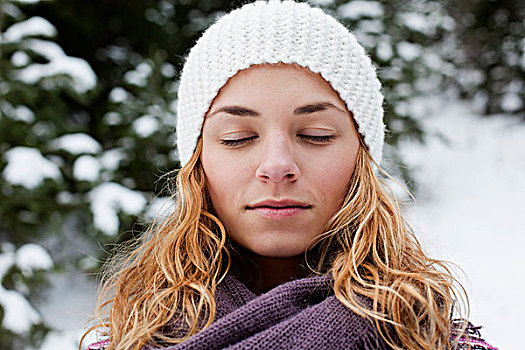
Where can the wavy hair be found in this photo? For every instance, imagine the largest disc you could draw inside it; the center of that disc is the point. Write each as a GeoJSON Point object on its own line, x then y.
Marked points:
{"type": "Point", "coordinates": [170, 276]}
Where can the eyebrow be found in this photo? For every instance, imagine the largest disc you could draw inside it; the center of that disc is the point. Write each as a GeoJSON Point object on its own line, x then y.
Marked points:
{"type": "Point", "coordinates": [302, 110]}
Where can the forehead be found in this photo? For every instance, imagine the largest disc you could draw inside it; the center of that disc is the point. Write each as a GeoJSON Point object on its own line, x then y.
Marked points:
{"type": "Point", "coordinates": [271, 74]}
{"type": "Point", "coordinates": [276, 84]}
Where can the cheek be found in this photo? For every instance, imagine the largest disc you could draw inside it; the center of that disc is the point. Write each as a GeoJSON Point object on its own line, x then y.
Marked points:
{"type": "Point", "coordinates": [216, 181]}
{"type": "Point", "coordinates": [225, 179]}
{"type": "Point", "coordinates": [332, 177]}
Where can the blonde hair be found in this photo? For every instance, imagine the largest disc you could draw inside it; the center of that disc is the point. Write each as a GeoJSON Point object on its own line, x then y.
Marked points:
{"type": "Point", "coordinates": [368, 248]}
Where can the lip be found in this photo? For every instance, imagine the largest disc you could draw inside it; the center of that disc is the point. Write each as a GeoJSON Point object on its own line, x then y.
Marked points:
{"type": "Point", "coordinates": [279, 209]}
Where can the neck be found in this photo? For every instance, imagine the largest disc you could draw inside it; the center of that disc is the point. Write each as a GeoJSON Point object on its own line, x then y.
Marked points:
{"type": "Point", "coordinates": [261, 273]}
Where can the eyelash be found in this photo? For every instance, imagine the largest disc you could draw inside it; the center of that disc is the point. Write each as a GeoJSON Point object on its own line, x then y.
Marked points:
{"type": "Point", "coordinates": [240, 142]}
{"type": "Point", "coordinates": [320, 139]}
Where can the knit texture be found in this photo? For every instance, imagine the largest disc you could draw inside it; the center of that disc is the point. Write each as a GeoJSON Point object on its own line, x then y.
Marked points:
{"type": "Point", "coordinates": [301, 314]}
{"type": "Point", "coordinates": [271, 32]}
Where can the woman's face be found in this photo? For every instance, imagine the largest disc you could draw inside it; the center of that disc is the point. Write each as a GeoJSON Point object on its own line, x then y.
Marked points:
{"type": "Point", "coordinates": [279, 148]}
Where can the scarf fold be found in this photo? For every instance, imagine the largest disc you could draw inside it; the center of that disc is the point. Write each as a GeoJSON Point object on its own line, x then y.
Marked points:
{"type": "Point", "coordinates": [300, 314]}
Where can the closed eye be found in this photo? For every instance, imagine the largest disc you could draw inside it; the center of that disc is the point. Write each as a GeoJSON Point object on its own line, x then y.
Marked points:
{"type": "Point", "coordinates": [318, 139]}
{"type": "Point", "coordinates": [311, 138]}
{"type": "Point", "coordinates": [237, 142]}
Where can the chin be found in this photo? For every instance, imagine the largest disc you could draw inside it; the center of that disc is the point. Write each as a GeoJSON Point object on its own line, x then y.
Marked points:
{"type": "Point", "coordinates": [277, 249]}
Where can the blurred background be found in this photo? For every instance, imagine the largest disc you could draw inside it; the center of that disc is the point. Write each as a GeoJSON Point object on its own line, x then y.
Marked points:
{"type": "Point", "coordinates": [88, 93]}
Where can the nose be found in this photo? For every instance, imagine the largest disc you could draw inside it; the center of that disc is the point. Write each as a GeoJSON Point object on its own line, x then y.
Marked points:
{"type": "Point", "coordinates": [278, 163]}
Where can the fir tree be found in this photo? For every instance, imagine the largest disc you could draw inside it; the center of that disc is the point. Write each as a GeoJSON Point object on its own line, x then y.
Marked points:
{"type": "Point", "coordinates": [490, 54]}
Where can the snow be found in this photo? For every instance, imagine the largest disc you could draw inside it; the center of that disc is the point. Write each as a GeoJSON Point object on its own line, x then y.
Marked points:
{"type": "Point", "coordinates": [19, 315]}
{"type": "Point", "coordinates": [358, 9]}
{"type": "Point", "coordinates": [108, 199]}
{"type": "Point", "coordinates": [522, 60]}
{"type": "Point", "coordinates": [29, 1]}
{"type": "Point", "coordinates": [416, 21]}
{"type": "Point", "coordinates": [469, 210]}
{"type": "Point", "coordinates": [155, 16]}
{"type": "Point", "coordinates": [44, 48]}
{"type": "Point", "coordinates": [110, 159]}
{"type": "Point", "coordinates": [83, 77]}
{"type": "Point", "coordinates": [159, 208]}
{"type": "Point", "coordinates": [117, 53]}
{"type": "Point", "coordinates": [66, 340]}
{"type": "Point", "coordinates": [434, 61]}
{"type": "Point", "coordinates": [20, 59]}
{"type": "Point", "coordinates": [112, 118]}
{"type": "Point", "coordinates": [371, 26]}
{"type": "Point", "coordinates": [31, 257]}
{"type": "Point", "coordinates": [69, 304]}
{"type": "Point", "coordinates": [118, 95]}
{"type": "Point", "coordinates": [511, 102]}
{"type": "Point", "coordinates": [7, 258]}
{"type": "Point", "coordinates": [168, 70]}
{"type": "Point", "coordinates": [368, 41]}
{"type": "Point", "coordinates": [139, 76]}
{"type": "Point", "coordinates": [23, 113]}
{"type": "Point", "coordinates": [34, 26]}
{"type": "Point", "coordinates": [77, 143]}
{"type": "Point", "coordinates": [426, 23]}
{"type": "Point", "coordinates": [146, 125]}
{"type": "Point", "coordinates": [28, 167]}
{"type": "Point", "coordinates": [86, 168]}
{"type": "Point", "coordinates": [384, 50]}
{"type": "Point", "coordinates": [10, 10]}
{"type": "Point", "coordinates": [408, 51]}
{"type": "Point", "coordinates": [321, 2]}
{"type": "Point", "coordinates": [65, 198]}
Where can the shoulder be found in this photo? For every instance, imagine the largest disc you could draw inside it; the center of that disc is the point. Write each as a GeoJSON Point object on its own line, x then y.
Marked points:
{"type": "Point", "coordinates": [101, 345]}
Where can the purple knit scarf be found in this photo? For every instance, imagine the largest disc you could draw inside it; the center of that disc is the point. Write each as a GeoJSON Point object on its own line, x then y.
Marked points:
{"type": "Point", "coordinates": [301, 314]}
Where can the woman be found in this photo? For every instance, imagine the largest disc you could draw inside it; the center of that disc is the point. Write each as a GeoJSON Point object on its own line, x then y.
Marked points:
{"type": "Point", "coordinates": [283, 236]}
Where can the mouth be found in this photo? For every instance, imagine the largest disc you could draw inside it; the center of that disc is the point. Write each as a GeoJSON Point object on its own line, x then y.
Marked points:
{"type": "Point", "coordinates": [279, 209]}
{"type": "Point", "coordinates": [283, 204]}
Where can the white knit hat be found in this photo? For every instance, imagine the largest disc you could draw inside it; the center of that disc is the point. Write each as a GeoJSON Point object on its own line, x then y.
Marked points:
{"type": "Point", "coordinates": [272, 32]}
